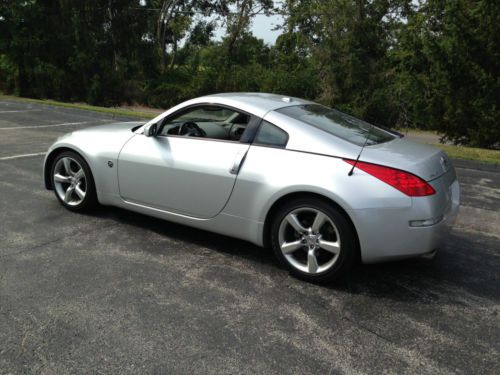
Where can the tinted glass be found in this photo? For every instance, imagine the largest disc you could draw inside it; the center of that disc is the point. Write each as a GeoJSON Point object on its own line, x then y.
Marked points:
{"type": "Point", "coordinates": [271, 135]}
{"type": "Point", "coordinates": [337, 123]}
{"type": "Point", "coordinates": [207, 122]}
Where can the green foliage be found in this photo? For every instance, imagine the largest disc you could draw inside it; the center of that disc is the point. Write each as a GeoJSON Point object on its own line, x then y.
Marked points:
{"type": "Point", "coordinates": [449, 64]}
{"type": "Point", "coordinates": [434, 65]}
{"type": "Point", "coordinates": [169, 89]}
{"type": "Point", "coordinates": [8, 74]}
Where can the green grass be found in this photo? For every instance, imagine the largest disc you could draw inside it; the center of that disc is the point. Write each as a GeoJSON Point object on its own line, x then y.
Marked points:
{"type": "Point", "coordinates": [471, 153]}
{"type": "Point", "coordinates": [87, 107]}
{"type": "Point", "coordinates": [416, 131]}
{"type": "Point", "coordinates": [455, 152]}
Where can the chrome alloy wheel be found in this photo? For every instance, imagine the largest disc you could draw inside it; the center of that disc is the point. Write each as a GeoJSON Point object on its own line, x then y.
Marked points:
{"type": "Point", "coordinates": [309, 240]}
{"type": "Point", "coordinates": [70, 181]}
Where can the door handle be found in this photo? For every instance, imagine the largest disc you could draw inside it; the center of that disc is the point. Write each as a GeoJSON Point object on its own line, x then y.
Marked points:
{"type": "Point", "coordinates": [238, 161]}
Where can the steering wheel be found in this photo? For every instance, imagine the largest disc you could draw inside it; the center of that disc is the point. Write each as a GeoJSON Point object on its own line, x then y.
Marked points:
{"type": "Point", "coordinates": [191, 129]}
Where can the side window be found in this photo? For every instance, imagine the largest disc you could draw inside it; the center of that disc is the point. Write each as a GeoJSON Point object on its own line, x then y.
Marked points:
{"type": "Point", "coordinates": [207, 122]}
{"type": "Point", "coordinates": [271, 135]}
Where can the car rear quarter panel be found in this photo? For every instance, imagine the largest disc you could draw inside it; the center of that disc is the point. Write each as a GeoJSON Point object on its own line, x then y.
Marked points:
{"type": "Point", "coordinates": [379, 212]}
{"type": "Point", "coordinates": [271, 173]}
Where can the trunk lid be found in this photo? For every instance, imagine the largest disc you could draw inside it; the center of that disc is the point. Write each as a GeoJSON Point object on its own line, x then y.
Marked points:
{"type": "Point", "coordinates": [424, 161]}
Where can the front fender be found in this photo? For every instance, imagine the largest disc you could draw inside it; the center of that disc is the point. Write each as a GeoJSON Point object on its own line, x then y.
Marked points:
{"type": "Point", "coordinates": [99, 147]}
{"type": "Point", "coordinates": [52, 153]}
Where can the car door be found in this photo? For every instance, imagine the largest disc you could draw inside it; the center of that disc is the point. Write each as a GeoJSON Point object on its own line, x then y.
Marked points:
{"type": "Point", "coordinates": [188, 175]}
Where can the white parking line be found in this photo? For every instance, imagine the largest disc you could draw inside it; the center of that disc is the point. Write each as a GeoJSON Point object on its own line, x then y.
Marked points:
{"type": "Point", "coordinates": [53, 125]}
{"type": "Point", "coordinates": [22, 156]}
{"type": "Point", "coordinates": [21, 110]}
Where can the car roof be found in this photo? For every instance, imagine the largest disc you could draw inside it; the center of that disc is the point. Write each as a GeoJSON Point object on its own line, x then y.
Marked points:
{"type": "Point", "coordinates": [257, 104]}
{"type": "Point", "coordinates": [253, 102]}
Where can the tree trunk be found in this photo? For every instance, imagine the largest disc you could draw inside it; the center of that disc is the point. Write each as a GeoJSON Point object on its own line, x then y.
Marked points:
{"type": "Point", "coordinates": [174, 55]}
{"type": "Point", "coordinates": [161, 30]}
{"type": "Point", "coordinates": [113, 39]}
{"type": "Point", "coordinates": [237, 29]}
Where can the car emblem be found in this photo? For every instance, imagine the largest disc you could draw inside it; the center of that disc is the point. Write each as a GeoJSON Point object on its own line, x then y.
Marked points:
{"type": "Point", "coordinates": [444, 163]}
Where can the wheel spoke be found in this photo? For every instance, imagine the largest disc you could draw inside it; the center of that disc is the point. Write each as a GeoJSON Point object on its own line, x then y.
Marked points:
{"type": "Point", "coordinates": [79, 192]}
{"type": "Point", "coordinates": [79, 175]}
{"type": "Point", "coordinates": [62, 179]}
{"type": "Point", "coordinates": [312, 262]}
{"type": "Point", "coordinates": [67, 166]}
{"type": "Point", "coordinates": [290, 247]}
{"type": "Point", "coordinates": [319, 220]}
{"type": "Point", "coordinates": [69, 193]}
{"type": "Point", "coordinates": [315, 234]}
{"type": "Point", "coordinates": [293, 220]}
{"type": "Point", "coordinates": [332, 247]}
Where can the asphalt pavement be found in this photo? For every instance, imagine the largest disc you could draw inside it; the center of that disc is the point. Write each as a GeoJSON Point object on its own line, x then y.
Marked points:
{"type": "Point", "coordinates": [118, 292]}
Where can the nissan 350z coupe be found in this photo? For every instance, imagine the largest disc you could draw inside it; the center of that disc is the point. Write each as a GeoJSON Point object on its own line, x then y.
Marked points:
{"type": "Point", "coordinates": [321, 188]}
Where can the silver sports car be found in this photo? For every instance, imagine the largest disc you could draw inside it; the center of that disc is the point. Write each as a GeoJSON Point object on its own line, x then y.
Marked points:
{"type": "Point", "coordinates": [320, 187]}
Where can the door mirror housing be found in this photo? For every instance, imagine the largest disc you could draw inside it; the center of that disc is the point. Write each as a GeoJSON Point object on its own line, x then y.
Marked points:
{"type": "Point", "coordinates": [151, 130]}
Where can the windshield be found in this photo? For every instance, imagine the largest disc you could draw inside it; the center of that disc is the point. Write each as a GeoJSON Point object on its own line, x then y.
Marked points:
{"type": "Point", "coordinates": [338, 123]}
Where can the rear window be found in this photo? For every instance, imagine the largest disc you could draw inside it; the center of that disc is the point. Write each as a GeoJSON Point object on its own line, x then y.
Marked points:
{"type": "Point", "coordinates": [338, 123]}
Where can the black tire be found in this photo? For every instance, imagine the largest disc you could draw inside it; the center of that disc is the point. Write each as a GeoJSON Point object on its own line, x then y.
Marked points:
{"type": "Point", "coordinates": [86, 184]}
{"type": "Point", "coordinates": [338, 228]}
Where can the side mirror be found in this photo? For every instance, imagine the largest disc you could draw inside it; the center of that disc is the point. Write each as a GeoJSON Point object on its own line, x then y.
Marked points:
{"type": "Point", "coordinates": [151, 130]}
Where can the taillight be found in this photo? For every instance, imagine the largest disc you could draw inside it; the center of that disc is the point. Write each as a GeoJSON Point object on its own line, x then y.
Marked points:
{"type": "Point", "coordinates": [405, 182]}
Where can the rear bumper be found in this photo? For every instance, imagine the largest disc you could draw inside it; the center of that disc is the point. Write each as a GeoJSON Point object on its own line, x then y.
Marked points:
{"type": "Point", "coordinates": [391, 234]}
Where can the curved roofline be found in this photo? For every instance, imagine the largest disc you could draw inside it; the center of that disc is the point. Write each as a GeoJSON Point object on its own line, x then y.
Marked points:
{"type": "Point", "coordinates": [260, 103]}
{"type": "Point", "coordinates": [255, 103]}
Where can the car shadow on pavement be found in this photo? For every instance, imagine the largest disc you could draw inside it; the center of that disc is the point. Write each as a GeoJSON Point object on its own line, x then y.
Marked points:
{"type": "Point", "coordinates": [465, 269]}
{"type": "Point", "coordinates": [189, 235]}
{"type": "Point", "coordinates": [468, 264]}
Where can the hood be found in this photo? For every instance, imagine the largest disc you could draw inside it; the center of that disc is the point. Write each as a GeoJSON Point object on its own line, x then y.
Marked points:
{"type": "Point", "coordinates": [424, 161]}
{"type": "Point", "coordinates": [114, 127]}
{"type": "Point", "coordinates": [107, 138]}
{"type": "Point", "coordinates": [103, 131]}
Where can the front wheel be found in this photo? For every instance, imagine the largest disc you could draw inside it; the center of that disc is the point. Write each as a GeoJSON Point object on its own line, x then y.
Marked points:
{"type": "Point", "coordinates": [72, 182]}
{"type": "Point", "coordinates": [313, 240]}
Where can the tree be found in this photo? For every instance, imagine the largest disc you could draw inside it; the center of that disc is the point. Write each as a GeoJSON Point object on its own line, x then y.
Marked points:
{"type": "Point", "coordinates": [239, 21]}
{"type": "Point", "coordinates": [174, 20]}
{"type": "Point", "coordinates": [431, 64]}
{"type": "Point", "coordinates": [348, 42]}
{"type": "Point", "coordinates": [448, 70]}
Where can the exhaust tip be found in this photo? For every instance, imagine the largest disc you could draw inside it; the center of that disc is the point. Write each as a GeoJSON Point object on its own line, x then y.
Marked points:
{"type": "Point", "coordinates": [430, 255]}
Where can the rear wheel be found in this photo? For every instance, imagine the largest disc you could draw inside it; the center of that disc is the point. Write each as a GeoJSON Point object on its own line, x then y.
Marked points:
{"type": "Point", "coordinates": [72, 182]}
{"type": "Point", "coordinates": [313, 240]}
